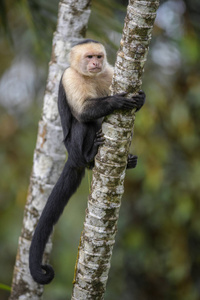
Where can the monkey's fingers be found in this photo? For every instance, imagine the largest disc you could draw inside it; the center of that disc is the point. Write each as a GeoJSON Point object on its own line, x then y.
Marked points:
{"type": "Point", "coordinates": [130, 103]}
{"type": "Point", "coordinates": [142, 93]}
{"type": "Point", "coordinates": [140, 100]}
{"type": "Point", "coordinates": [99, 134]}
{"type": "Point", "coordinates": [100, 139]}
{"type": "Point", "coordinates": [136, 101]}
{"type": "Point", "coordinates": [140, 103]}
{"type": "Point", "coordinates": [99, 142]}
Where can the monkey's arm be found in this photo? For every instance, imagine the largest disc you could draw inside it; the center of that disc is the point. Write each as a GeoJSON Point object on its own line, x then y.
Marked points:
{"type": "Point", "coordinates": [96, 108]}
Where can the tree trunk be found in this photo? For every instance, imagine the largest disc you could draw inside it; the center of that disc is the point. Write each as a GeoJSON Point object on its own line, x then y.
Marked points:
{"type": "Point", "coordinates": [49, 155]}
{"type": "Point", "coordinates": [98, 236]}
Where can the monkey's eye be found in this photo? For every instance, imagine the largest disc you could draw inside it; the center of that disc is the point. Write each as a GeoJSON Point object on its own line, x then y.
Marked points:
{"type": "Point", "coordinates": [99, 56]}
{"type": "Point", "coordinates": [89, 56]}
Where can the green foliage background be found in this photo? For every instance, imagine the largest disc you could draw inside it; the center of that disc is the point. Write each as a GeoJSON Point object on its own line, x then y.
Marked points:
{"type": "Point", "coordinates": [157, 252]}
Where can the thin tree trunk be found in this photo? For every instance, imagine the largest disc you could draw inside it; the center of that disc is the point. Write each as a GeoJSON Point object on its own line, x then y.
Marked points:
{"type": "Point", "coordinates": [98, 236]}
{"type": "Point", "coordinates": [49, 155]}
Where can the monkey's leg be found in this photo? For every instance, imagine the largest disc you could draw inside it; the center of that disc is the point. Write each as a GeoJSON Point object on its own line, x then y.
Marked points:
{"type": "Point", "coordinates": [132, 161]}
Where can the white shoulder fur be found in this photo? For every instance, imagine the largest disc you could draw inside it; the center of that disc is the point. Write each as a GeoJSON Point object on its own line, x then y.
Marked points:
{"type": "Point", "coordinates": [79, 88]}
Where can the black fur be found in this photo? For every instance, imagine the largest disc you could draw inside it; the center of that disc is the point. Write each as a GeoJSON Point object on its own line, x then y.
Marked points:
{"type": "Point", "coordinates": [86, 41]}
{"type": "Point", "coordinates": [82, 136]}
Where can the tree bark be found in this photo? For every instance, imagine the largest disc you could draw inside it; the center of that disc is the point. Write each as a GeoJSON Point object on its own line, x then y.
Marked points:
{"type": "Point", "coordinates": [98, 236]}
{"type": "Point", "coordinates": [49, 155]}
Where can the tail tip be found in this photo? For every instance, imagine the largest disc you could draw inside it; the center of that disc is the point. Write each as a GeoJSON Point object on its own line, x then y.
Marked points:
{"type": "Point", "coordinates": [44, 275]}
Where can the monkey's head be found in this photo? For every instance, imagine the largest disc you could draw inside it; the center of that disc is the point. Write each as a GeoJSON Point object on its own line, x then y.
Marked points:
{"type": "Point", "coordinates": [88, 58]}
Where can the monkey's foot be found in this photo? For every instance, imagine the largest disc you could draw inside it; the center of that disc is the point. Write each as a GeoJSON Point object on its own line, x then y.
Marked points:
{"type": "Point", "coordinates": [132, 161]}
{"type": "Point", "coordinates": [99, 139]}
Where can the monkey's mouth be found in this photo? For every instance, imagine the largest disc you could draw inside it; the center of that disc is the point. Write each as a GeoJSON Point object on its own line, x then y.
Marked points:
{"type": "Point", "coordinates": [95, 70]}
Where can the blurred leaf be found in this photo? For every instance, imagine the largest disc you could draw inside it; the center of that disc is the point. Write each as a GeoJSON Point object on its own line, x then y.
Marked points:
{"type": "Point", "coordinates": [5, 287]}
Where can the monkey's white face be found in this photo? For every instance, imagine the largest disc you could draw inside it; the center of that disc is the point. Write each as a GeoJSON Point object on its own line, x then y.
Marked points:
{"type": "Point", "coordinates": [92, 63]}
{"type": "Point", "coordinates": [88, 59]}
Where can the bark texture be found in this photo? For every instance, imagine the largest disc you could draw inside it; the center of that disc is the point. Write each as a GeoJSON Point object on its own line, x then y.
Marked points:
{"type": "Point", "coordinates": [50, 154]}
{"type": "Point", "coordinates": [98, 236]}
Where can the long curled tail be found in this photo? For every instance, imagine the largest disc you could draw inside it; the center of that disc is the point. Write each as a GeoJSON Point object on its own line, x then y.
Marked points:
{"type": "Point", "coordinates": [66, 185]}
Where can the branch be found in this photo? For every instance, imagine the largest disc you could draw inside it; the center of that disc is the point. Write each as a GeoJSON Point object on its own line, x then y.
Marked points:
{"type": "Point", "coordinates": [49, 155]}
{"type": "Point", "coordinates": [98, 236]}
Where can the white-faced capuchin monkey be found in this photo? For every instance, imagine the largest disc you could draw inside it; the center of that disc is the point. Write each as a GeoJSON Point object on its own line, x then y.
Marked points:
{"type": "Point", "coordinates": [83, 101]}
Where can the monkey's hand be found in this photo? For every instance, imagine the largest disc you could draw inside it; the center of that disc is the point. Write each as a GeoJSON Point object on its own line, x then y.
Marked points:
{"type": "Point", "coordinates": [140, 100]}
{"type": "Point", "coordinates": [137, 101]}
{"type": "Point", "coordinates": [132, 161]}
